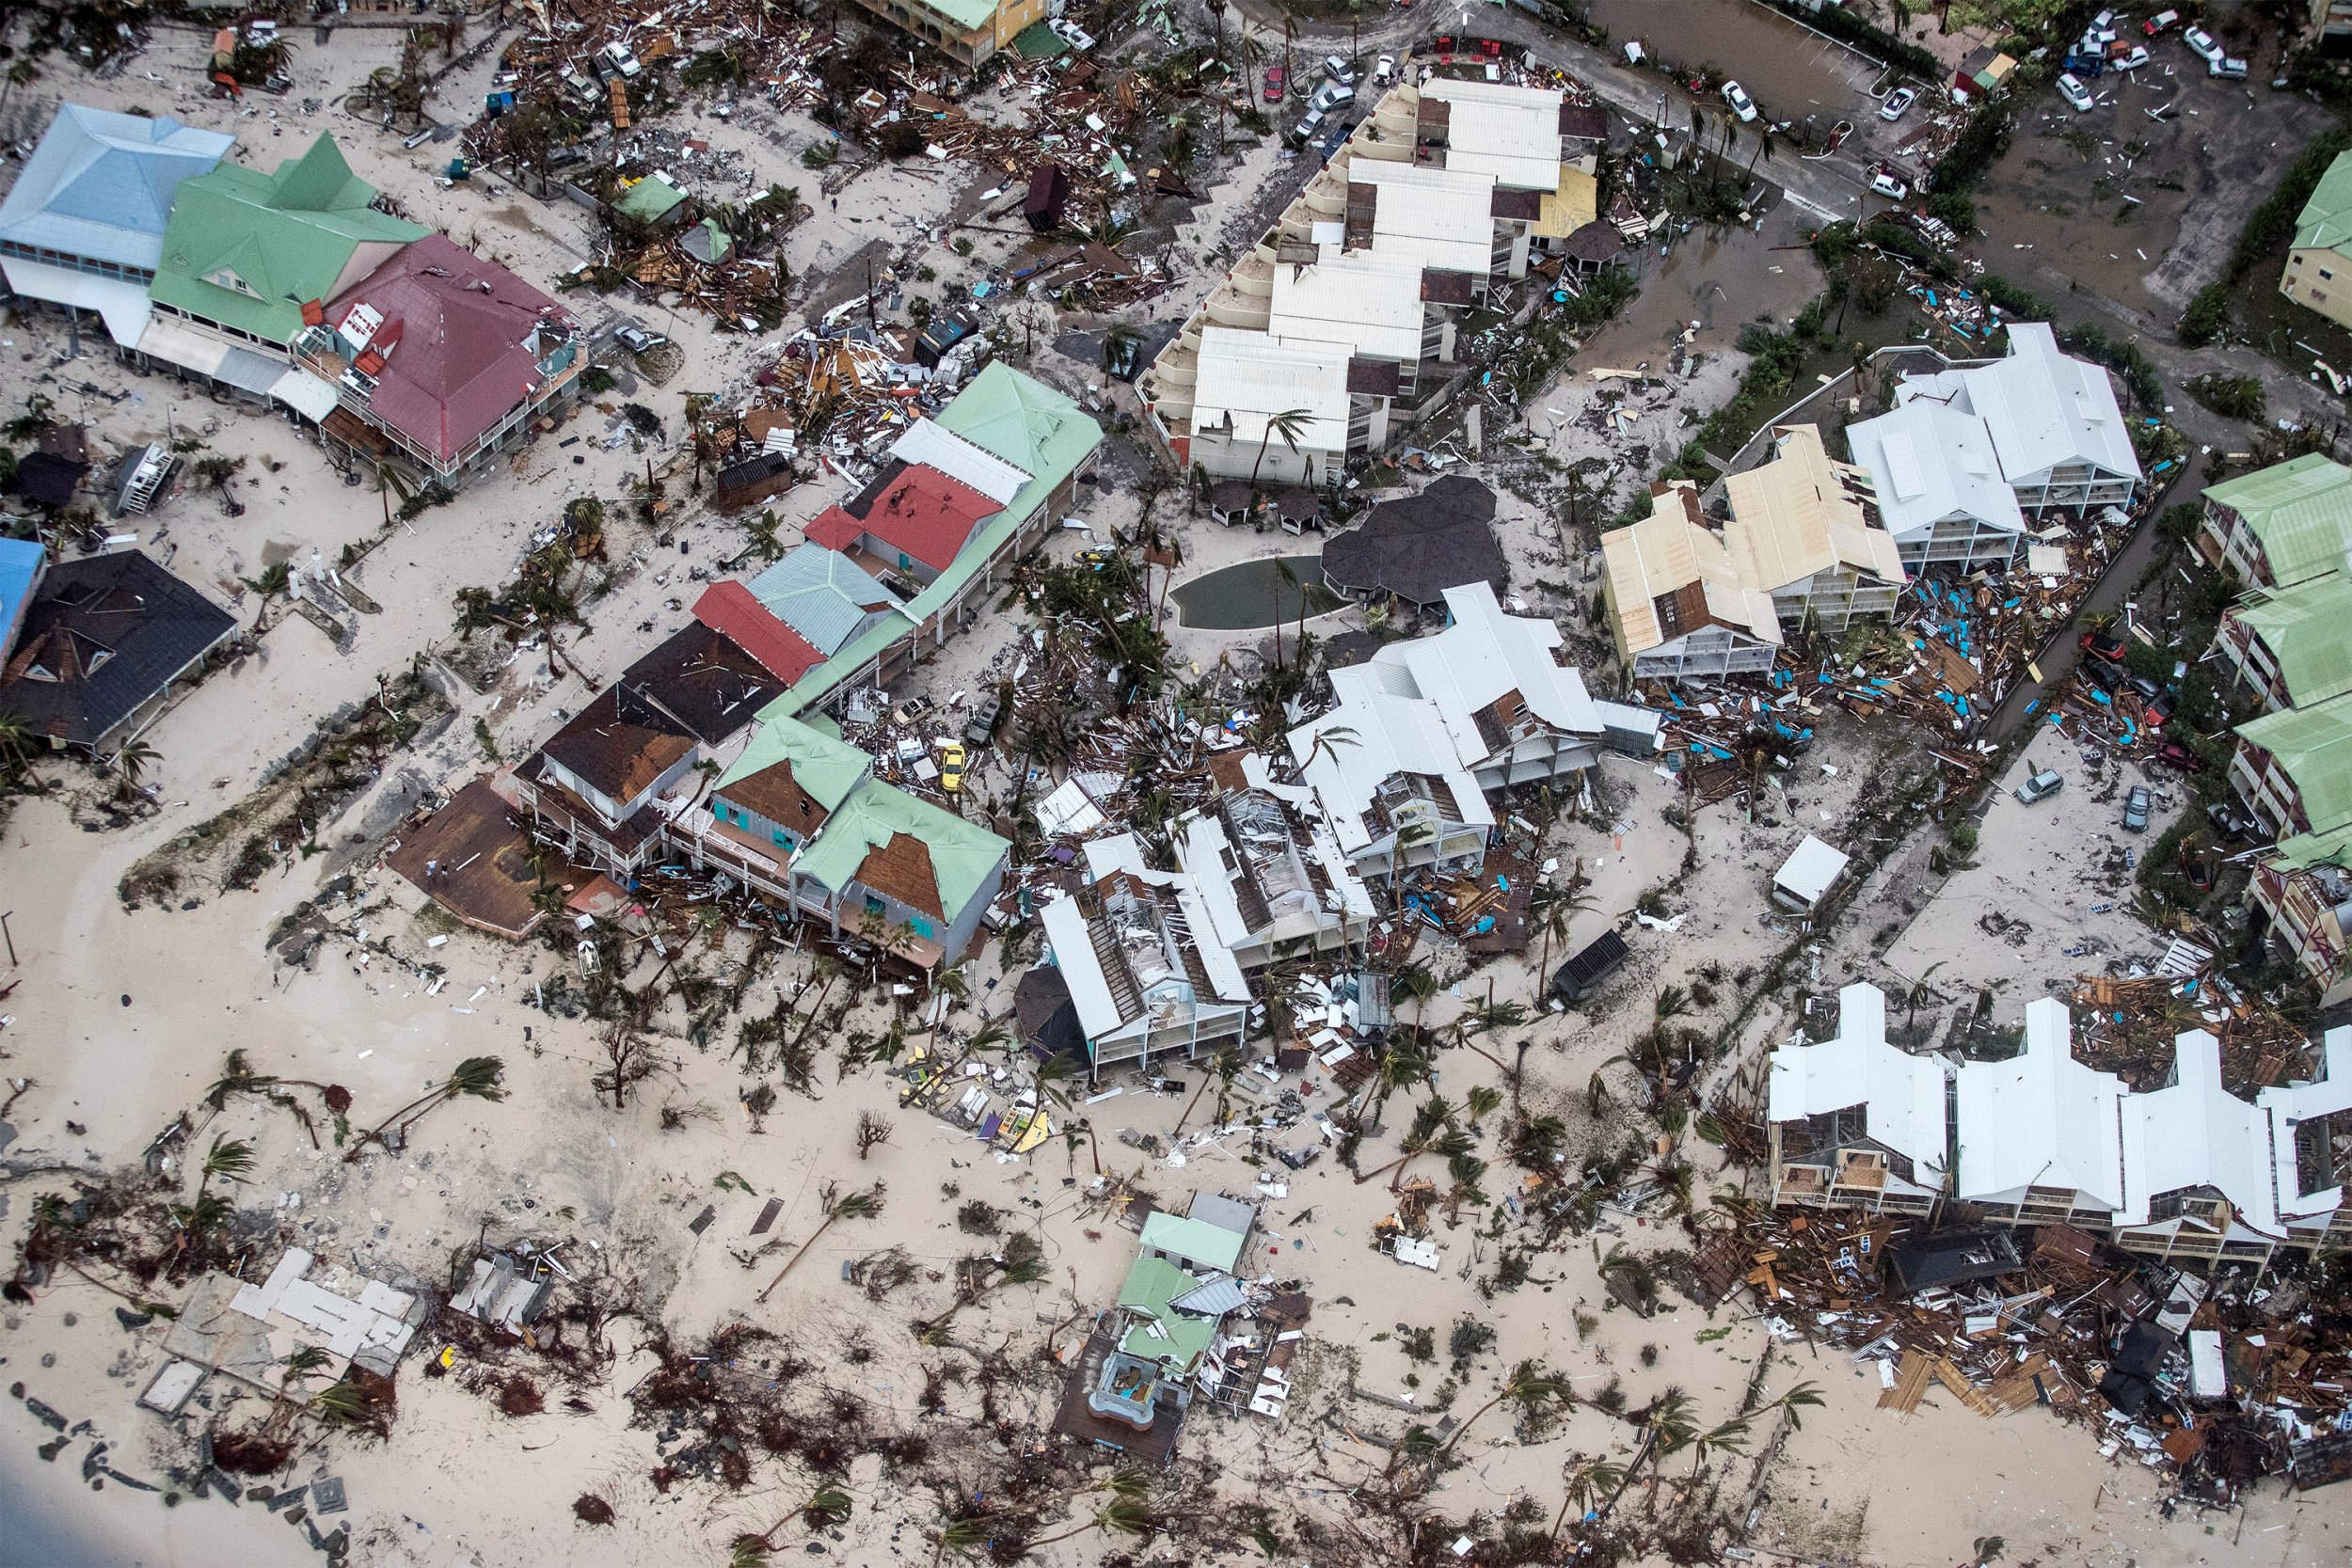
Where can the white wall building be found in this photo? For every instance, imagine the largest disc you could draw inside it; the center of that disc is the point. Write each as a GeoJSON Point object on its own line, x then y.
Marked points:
{"type": "Point", "coordinates": [2057, 433]}
{"type": "Point", "coordinates": [1938, 486]}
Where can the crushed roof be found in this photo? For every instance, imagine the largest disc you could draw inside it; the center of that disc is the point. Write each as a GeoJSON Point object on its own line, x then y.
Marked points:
{"type": "Point", "coordinates": [1670, 549]}
{"type": "Point", "coordinates": [825, 767]}
{"type": "Point", "coordinates": [729, 609]}
{"type": "Point", "coordinates": [1021, 421]}
{"type": "Point", "coordinates": [963, 854]}
{"type": "Point", "coordinates": [109, 631]}
{"type": "Point", "coordinates": [1803, 512]}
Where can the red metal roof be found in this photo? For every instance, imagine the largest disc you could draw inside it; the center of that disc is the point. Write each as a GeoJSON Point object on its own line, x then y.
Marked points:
{"type": "Point", "coordinates": [833, 529]}
{"type": "Point", "coordinates": [729, 610]}
{"type": "Point", "coordinates": [454, 341]}
{"type": "Point", "coordinates": [922, 514]}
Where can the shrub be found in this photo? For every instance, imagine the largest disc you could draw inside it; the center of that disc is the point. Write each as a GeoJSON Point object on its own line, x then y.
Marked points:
{"type": "Point", "coordinates": [2232, 397]}
{"type": "Point", "coordinates": [2208, 316]}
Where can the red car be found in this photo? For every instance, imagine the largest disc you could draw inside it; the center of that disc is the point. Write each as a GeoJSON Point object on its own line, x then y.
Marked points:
{"type": "Point", "coordinates": [1276, 78]}
{"type": "Point", "coordinates": [2173, 755]}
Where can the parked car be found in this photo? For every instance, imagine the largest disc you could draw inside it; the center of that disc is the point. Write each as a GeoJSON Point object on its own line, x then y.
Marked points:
{"type": "Point", "coordinates": [2159, 22]}
{"type": "Point", "coordinates": [1309, 124]}
{"type": "Point", "coordinates": [2173, 753]}
{"type": "Point", "coordinates": [2161, 707]}
{"type": "Point", "coordinates": [951, 759]}
{"type": "Point", "coordinates": [1071, 34]}
{"type": "Point", "coordinates": [2105, 677]}
{"type": "Point", "coordinates": [1337, 68]}
{"type": "Point", "coordinates": [1276, 79]}
{"type": "Point", "coordinates": [2104, 644]}
{"type": "Point", "coordinates": [2136, 807]}
{"type": "Point", "coordinates": [1331, 95]}
{"type": "Point", "coordinates": [985, 715]}
{"type": "Point", "coordinates": [1898, 103]}
{"type": "Point", "coordinates": [911, 710]}
{"type": "Point", "coordinates": [2146, 688]}
{"type": "Point", "coordinates": [2069, 87]}
{"type": "Point", "coordinates": [2229, 65]}
{"type": "Point", "coordinates": [1737, 96]}
{"type": "Point", "coordinates": [1883, 181]}
{"type": "Point", "coordinates": [2229, 821]}
{"type": "Point", "coordinates": [2041, 787]}
{"type": "Point", "coordinates": [615, 59]}
{"type": "Point", "coordinates": [2203, 44]}
{"type": "Point", "coordinates": [2132, 58]}
{"type": "Point", "coordinates": [1384, 70]}
{"type": "Point", "coordinates": [2197, 868]}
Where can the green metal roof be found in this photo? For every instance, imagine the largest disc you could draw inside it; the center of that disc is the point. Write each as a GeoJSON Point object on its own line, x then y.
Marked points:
{"type": "Point", "coordinates": [1008, 416]}
{"type": "Point", "coordinates": [2326, 221]}
{"type": "Point", "coordinates": [1152, 1283]}
{"type": "Point", "coordinates": [2305, 850]}
{"type": "Point", "coordinates": [2308, 629]}
{"type": "Point", "coordinates": [650, 200]}
{"type": "Point", "coordinates": [289, 237]}
{"type": "Point", "coordinates": [962, 853]}
{"type": "Point", "coordinates": [826, 767]}
{"type": "Point", "coordinates": [1037, 42]}
{"type": "Point", "coordinates": [967, 14]}
{"type": "Point", "coordinates": [1026, 423]}
{"type": "Point", "coordinates": [1210, 1246]}
{"type": "Point", "coordinates": [1179, 1342]}
{"type": "Point", "coordinates": [2300, 510]}
{"type": "Point", "coordinates": [2313, 746]}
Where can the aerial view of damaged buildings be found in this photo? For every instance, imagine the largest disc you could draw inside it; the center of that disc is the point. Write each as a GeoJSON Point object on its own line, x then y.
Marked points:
{"type": "Point", "coordinates": [1283, 623]}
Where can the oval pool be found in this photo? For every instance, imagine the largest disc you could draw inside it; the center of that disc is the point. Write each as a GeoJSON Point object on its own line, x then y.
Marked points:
{"type": "Point", "coordinates": [1250, 594]}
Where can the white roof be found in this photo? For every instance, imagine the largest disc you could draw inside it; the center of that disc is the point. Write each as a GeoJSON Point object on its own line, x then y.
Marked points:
{"type": "Point", "coordinates": [2329, 1095]}
{"type": "Point", "coordinates": [1072, 950]}
{"type": "Point", "coordinates": [1904, 1093]}
{"type": "Point", "coordinates": [1431, 218]}
{"type": "Point", "coordinates": [1069, 810]}
{"type": "Point", "coordinates": [1246, 377]}
{"type": "Point", "coordinates": [1368, 303]}
{"type": "Point", "coordinates": [2041, 1118]}
{"type": "Point", "coordinates": [2193, 1132]}
{"type": "Point", "coordinates": [1928, 462]}
{"type": "Point", "coordinates": [121, 304]}
{"type": "Point", "coordinates": [934, 445]}
{"type": "Point", "coordinates": [1412, 708]}
{"type": "Point", "coordinates": [1811, 871]}
{"type": "Point", "coordinates": [2041, 408]}
{"type": "Point", "coordinates": [1493, 128]}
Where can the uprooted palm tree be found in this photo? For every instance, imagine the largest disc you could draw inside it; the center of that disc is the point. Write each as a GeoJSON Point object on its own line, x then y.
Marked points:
{"type": "Point", "coordinates": [1531, 1387]}
{"type": "Point", "coordinates": [1129, 1511]}
{"type": "Point", "coordinates": [476, 1077]}
{"type": "Point", "coordinates": [237, 1077]}
{"type": "Point", "coordinates": [229, 1158]}
{"type": "Point", "coordinates": [828, 1508]}
{"type": "Point", "coordinates": [863, 1204]}
{"type": "Point", "coordinates": [1433, 1132]}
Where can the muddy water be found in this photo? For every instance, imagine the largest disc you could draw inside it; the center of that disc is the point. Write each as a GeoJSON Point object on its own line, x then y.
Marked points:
{"type": "Point", "coordinates": [1788, 71]}
{"type": "Point", "coordinates": [1720, 280]}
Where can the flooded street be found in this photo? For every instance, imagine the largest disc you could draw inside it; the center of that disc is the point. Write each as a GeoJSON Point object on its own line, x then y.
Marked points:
{"type": "Point", "coordinates": [1788, 71]}
{"type": "Point", "coordinates": [1721, 279]}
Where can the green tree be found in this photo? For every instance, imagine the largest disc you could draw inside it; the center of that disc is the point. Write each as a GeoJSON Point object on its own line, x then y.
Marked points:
{"type": "Point", "coordinates": [1289, 424]}
{"type": "Point", "coordinates": [475, 1078]}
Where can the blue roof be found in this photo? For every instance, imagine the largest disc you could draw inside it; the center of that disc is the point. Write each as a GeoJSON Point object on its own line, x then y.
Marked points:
{"type": "Point", "coordinates": [19, 563]}
{"type": "Point", "coordinates": [100, 183]}
{"type": "Point", "coordinates": [822, 594]}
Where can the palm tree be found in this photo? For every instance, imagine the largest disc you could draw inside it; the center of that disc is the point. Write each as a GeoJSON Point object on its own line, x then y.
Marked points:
{"type": "Point", "coordinates": [1432, 1132]}
{"type": "Point", "coordinates": [1556, 912]}
{"type": "Point", "coordinates": [230, 1158]}
{"type": "Point", "coordinates": [275, 580]}
{"type": "Point", "coordinates": [963, 1537]}
{"type": "Point", "coordinates": [1805, 1396]}
{"type": "Point", "coordinates": [134, 759]}
{"type": "Point", "coordinates": [1531, 1387]}
{"type": "Point", "coordinates": [390, 479]}
{"type": "Point", "coordinates": [1731, 1437]}
{"type": "Point", "coordinates": [1416, 981]}
{"type": "Point", "coordinates": [1289, 424]}
{"type": "Point", "coordinates": [16, 739]}
{"type": "Point", "coordinates": [1587, 1482]}
{"type": "Point", "coordinates": [1482, 1101]}
{"type": "Point", "coordinates": [1129, 1510]}
{"type": "Point", "coordinates": [1763, 152]}
{"type": "Point", "coordinates": [1116, 343]}
{"type": "Point", "coordinates": [862, 1205]}
{"type": "Point", "coordinates": [476, 1077]}
{"type": "Point", "coordinates": [1918, 994]}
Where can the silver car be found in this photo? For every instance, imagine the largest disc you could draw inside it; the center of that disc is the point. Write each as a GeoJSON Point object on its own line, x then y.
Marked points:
{"type": "Point", "coordinates": [2041, 787]}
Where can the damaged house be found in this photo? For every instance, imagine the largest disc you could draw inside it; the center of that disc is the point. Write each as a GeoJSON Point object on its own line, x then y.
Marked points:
{"type": "Point", "coordinates": [1138, 950]}
{"type": "Point", "coordinates": [1425, 730]}
{"type": "Point", "coordinates": [2188, 1172]}
{"type": "Point", "coordinates": [1270, 871]}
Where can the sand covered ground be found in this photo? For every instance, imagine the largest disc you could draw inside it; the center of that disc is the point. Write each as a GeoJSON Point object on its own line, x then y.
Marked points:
{"type": "Point", "coordinates": [122, 1017]}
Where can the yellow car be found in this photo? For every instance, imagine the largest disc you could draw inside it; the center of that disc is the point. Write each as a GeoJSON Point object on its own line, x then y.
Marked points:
{"type": "Point", "coordinates": [952, 768]}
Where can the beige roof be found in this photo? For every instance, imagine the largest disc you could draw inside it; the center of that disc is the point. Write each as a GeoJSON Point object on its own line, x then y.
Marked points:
{"type": "Point", "coordinates": [1802, 513]}
{"type": "Point", "coordinates": [1570, 208]}
{"type": "Point", "coordinates": [1667, 551]}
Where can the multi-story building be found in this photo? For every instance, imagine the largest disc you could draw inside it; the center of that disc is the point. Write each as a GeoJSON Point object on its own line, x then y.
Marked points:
{"type": "Point", "coordinates": [2291, 648]}
{"type": "Point", "coordinates": [2294, 769]}
{"type": "Point", "coordinates": [83, 227]}
{"type": "Point", "coordinates": [2188, 1171]}
{"type": "Point", "coordinates": [966, 31]}
{"type": "Point", "coordinates": [1343, 313]}
{"type": "Point", "coordinates": [1425, 730]}
{"type": "Point", "coordinates": [1938, 486]}
{"type": "Point", "coordinates": [1802, 544]}
{"type": "Point", "coordinates": [1270, 869]}
{"type": "Point", "coordinates": [2303, 887]}
{"type": "Point", "coordinates": [2059, 438]}
{"type": "Point", "coordinates": [1139, 951]}
{"type": "Point", "coordinates": [2318, 274]}
{"type": "Point", "coordinates": [2283, 525]}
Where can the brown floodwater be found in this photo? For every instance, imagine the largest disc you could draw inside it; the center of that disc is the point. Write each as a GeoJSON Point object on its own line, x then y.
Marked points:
{"type": "Point", "coordinates": [1721, 279]}
{"type": "Point", "coordinates": [1790, 72]}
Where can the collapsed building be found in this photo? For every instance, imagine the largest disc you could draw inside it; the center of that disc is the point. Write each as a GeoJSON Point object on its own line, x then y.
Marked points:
{"type": "Point", "coordinates": [2188, 1172]}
